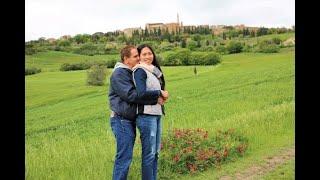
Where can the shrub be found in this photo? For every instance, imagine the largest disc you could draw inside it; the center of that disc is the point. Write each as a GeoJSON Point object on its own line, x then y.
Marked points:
{"type": "Point", "coordinates": [86, 65]}
{"type": "Point", "coordinates": [166, 46]}
{"type": "Point", "coordinates": [221, 49]}
{"type": "Point", "coordinates": [192, 45]}
{"type": "Point", "coordinates": [96, 75]}
{"type": "Point", "coordinates": [30, 49]}
{"type": "Point", "coordinates": [177, 57]}
{"type": "Point", "coordinates": [64, 43]}
{"type": "Point", "coordinates": [276, 40]}
{"type": "Point", "coordinates": [88, 49]}
{"type": "Point", "coordinates": [110, 49]}
{"type": "Point", "coordinates": [191, 150]}
{"type": "Point", "coordinates": [267, 46]}
{"type": "Point", "coordinates": [247, 48]}
{"type": "Point", "coordinates": [75, 66]}
{"type": "Point", "coordinates": [111, 63]}
{"type": "Point", "coordinates": [31, 70]}
{"type": "Point", "coordinates": [212, 58]}
{"type": "Point", "coordinates": [204, 58]}
{"type": "Point", "coordinates": [206, 48]}
{"type": "Point", "coordinates": [197, 58]}
{"type": "Point", "coordinates": [172, 60]}
{"type": "Point", "coordinates": [234, 47]}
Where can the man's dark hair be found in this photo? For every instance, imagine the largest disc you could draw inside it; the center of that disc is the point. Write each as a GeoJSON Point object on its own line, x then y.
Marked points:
{"type": "Point", "coordinates": [126, 51]}
{"type": "Point", "coordinates": [154, 62]}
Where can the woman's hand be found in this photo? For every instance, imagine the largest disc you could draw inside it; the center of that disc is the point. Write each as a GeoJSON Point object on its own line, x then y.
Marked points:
{"type": "Point", "coordinates": [161, 101]}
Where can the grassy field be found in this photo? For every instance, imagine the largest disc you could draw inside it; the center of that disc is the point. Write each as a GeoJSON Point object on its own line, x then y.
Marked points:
{"type": "Point", "coordinates": [52, 60]}
{"type": "Point", "coordinates": [68, 135]}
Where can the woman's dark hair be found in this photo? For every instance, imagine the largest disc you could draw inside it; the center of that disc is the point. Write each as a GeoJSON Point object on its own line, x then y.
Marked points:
{"type": "Point", "coordinates": [154, 62]}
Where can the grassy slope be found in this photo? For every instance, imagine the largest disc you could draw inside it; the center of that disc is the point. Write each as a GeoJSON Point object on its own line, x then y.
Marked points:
{"type": "Point", "coordinates": [68, 134]}
{"type": "Point", "coordinates": [52, 60]}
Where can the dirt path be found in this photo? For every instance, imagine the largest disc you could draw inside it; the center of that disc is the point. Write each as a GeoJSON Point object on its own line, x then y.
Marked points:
{"type": "Point", "coordinates": [271, 163]}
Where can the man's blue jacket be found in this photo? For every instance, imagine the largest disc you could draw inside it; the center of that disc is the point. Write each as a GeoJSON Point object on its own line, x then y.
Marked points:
{"type": "Point", "coordinates": [123, 97]}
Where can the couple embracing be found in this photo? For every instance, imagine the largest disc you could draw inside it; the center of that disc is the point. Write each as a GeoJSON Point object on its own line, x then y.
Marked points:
{"type": "Point", "coordinates": [137, 95]}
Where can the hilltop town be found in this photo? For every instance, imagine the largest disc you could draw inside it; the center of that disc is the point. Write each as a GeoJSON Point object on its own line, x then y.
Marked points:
{"type": "Point", "coordinates": [175, 27]}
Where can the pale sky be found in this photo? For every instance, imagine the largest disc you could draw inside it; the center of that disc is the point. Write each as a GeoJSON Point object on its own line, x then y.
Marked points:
{"type": "Point", "coordinates": [55, 18]}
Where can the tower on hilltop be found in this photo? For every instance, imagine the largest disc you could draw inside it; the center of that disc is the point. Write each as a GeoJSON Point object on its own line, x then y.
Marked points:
{"type": "Point", "coordinates": [178, 18]}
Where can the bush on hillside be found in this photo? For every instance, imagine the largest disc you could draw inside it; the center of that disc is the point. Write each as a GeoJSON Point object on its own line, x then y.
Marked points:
{"type": "Point", "coordinates": [247, 48]}
{"type": "Point", "coordinates": [221, 49]}
{"type": "Point", "coordinates": [204, 58]}
{"type": "Point", "coordinates": [206, 48]}
{"type": "Point", "coordinates": [110, 49]}
{"type": "Point", "coordinates": [110, 63]}
{"type": "Point", "coordinates": [31, 70]}
{"type": "Point", "coordinates": [171, 60]}
{"type": "Point", "coordinates": [96, 75]}
{"type": "Point", "coordinates": [75, 66]}
{"type": "Point", "coordinates": [192, 45]}
{"type": "Point", "coordinates": [85, 65]}
{"type": "Point", "coordinates": [276, 40]}
{"type": "Point", "coordinates": [177, 57]}
{"type": "Point", "coordinates": [89, 49]}
{"type": "Point", "coordinates": [267, 46]}
{"type": "Point", "coordinates": [166, 46]}
{"type": "Point", "coordinates": [31, 49]}
{"type": "Point", "coordinates": [234, 47]}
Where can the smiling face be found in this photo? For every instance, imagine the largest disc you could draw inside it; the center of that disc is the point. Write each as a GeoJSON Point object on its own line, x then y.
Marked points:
{"type": "Point", "coordinates": [146, 56]}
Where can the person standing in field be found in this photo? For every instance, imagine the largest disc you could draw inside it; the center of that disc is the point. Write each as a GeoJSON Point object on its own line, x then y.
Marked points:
{"type": "Point", "coordinates": [149, 116]}
{"type": "Point", "coordinates": [123, 99]}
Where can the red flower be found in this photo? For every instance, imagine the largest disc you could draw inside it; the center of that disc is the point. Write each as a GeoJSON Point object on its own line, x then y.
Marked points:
{"type": "Point", "coordinates": [176, 158]}
{"type": "Point", "coordinates": [192, 167]}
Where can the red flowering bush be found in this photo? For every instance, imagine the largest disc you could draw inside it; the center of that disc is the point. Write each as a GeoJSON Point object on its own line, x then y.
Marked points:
{"type": "Point", "coordinates": [192, 150]}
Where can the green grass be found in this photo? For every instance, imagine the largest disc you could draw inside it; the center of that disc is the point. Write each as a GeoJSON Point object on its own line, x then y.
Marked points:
{"type": "Point", "coordinates": [52, 60]}
{"type": "Point", "coordinates": [285, 171]}
{"type": "Point", "coordinates": [68, 135]}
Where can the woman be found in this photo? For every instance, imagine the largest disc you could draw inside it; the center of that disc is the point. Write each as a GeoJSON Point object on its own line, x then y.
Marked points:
{"type": "Point", "coordinates": [149, 116]}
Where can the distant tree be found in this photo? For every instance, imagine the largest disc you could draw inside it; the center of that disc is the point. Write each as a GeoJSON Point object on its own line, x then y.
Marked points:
{"type": "Point", "coordinates": [252, 33]}
{"type": "Point", "coordinates": [196, 37]}
{"type": "Point", "coordinates": [207, 43]}
{"type": "Point", "coordinates": [198, 44]}
{"type": "Point", "coordinates": [146, 32]}
{"type": "Point", "coordinates": [262, 31]}
{"type": "Point", "coordinates": [195, 70]}
{"type": "Point", "coordinates": [64, 43]}
{"type": "Point", "coordinates": [183, 43]}
{"type": "Point", "coordinates": [224, 37]}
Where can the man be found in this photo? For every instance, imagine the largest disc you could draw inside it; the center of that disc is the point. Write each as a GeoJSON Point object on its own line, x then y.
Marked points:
{"type": "Point", "coordinates": [123, 99]}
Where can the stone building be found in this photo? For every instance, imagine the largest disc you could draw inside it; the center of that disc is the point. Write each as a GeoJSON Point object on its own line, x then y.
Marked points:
{"type": "Point", "coordinates": [129, 31]}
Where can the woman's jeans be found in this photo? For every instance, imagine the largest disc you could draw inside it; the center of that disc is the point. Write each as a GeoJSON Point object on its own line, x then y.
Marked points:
{"type": "Point", "coordinates": [150, 135]}
{"type": "Point", "coordinates": [125, 134]}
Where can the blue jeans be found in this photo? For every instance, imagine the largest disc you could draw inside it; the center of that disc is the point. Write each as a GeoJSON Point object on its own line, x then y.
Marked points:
{"type": "Point", "coordinates": [125, 134]}
{"type": "Point", "coordinates": [150, 135]}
